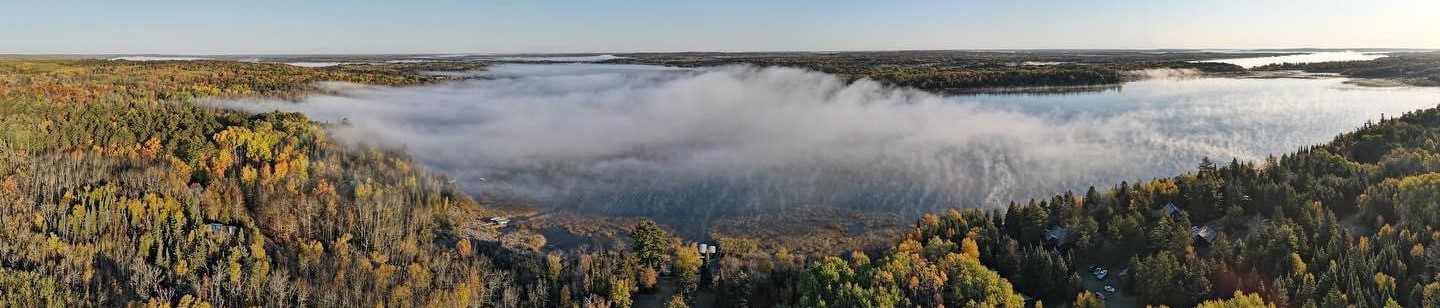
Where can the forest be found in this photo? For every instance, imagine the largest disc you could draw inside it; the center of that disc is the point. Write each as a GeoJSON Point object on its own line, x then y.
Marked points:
{"type": "Point", "coordinates": [120, 188]}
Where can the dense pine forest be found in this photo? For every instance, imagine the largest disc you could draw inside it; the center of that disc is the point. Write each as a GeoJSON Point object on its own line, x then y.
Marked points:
{"type": "Point", "coordinates": [120, 188]}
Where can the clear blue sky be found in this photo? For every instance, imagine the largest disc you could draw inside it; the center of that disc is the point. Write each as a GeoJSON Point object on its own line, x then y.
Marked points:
{"type": "Point", "coordinates": [329, 26]}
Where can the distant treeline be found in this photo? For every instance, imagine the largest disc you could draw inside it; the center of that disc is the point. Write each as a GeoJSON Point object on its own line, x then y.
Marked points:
{"type": "Point", "coordinates": [1421, 69]}
{"type": "Point", "coordinates": [958, 72]}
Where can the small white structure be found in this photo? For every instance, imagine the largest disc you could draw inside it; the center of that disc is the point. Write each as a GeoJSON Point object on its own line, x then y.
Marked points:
{"type": "Point", "coordinates": [499, 222]}
{"type": "Point", "coordinates": [222, 229]}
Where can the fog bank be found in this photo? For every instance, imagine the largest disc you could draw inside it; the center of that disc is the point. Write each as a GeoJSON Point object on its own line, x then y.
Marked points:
{"type": "Point", "coordinates": [1302, 58]}
{"type": "Point", "coordinates": [596, 58]}
{"type": "Point", "coordinates": [630, 139]}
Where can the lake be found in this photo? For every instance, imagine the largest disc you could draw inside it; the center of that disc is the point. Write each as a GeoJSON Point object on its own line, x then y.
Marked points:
{"type": "Point", "coordinates": [655, 141]}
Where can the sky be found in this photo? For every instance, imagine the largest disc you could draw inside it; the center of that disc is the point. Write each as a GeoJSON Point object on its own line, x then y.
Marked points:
{"type": "Point", "coordinates": [543, 26]}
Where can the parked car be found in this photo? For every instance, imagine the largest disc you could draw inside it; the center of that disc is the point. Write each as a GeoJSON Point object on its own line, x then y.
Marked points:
{"type": "Point", "coordinates": [1101, 275]}
{"type": "Point", "coordinates": [1110, 288]}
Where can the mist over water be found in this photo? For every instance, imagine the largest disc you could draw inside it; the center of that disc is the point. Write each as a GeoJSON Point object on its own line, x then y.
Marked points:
{"type": "Point", "coordinates": [1302, 58]}
{"type": "Point", "coordinates": [655, 141]}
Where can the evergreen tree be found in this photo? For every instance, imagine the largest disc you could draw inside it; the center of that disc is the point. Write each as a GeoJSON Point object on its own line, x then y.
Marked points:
{"type": "Point", "coordinates": [650, 243]}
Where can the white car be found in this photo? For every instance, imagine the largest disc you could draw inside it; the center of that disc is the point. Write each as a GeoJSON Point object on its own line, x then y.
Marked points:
{"type": "Point", "coordinates": [1101, 275]}
{"type": "Point", "coordinates": [1110, 289]}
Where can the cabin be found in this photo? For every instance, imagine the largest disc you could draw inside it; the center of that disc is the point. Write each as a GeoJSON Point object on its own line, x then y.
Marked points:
{"type": "Point", "coordinates": [1204, 234]}
{"type": "Point", "coordinates": [1056, 236]}
{"type": "Point", "coordinates": [1168, 210]}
